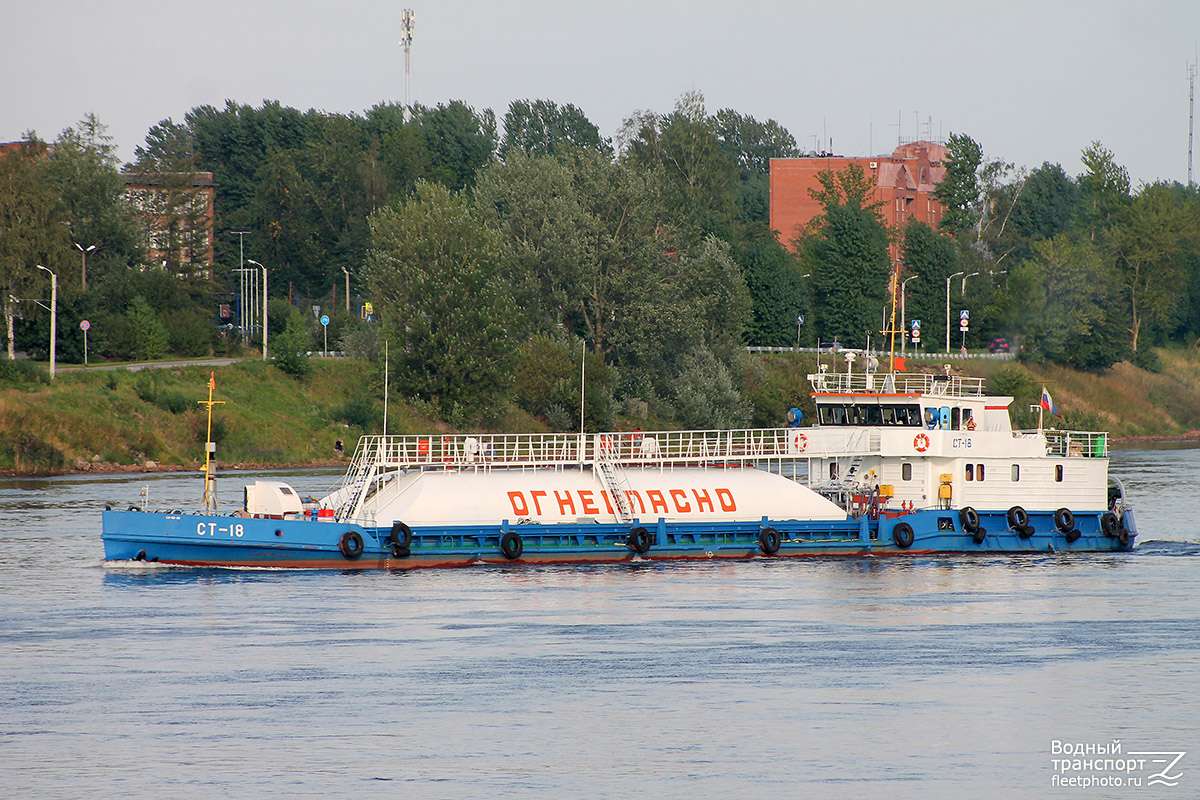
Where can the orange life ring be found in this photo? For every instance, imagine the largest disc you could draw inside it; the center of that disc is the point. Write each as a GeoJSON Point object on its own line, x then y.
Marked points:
{"type": "Point", "coordinates": [800, 441]}
{"type": "Point", "coordinates": [921, 442]}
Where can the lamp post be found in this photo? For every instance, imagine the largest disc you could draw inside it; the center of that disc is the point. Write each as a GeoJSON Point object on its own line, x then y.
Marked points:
{"type": "Point", "coordinates": [264, 305]}
{"type": "Point", "coordinates": [241, 233]}
{"type": "Point", "coordinates": [903, 316]}
{"type": "Point", "coordinates": [952, 277]}
{"type": "Point", "coordinates": [347, 289]}
{"type": "Point", "coordinates": [83, 253]}
{"type": "Point", "coordinates": [53, 315]}
{"type": "Point", "coordinates": [963, 289]}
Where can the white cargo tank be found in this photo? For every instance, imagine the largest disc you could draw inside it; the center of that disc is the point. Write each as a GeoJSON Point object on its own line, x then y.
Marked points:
{"type": "Point", "coordinates": [573, 495]}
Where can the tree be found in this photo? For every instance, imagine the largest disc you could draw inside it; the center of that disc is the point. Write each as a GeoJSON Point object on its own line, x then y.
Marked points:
{"type": "Point", "coordinates": [82, 167]}
{"type": "Point", "coordinates": [932, 258]}
{"type": "Point", "coordinates": [1069, 297]}
{"type": "Point", "coordinates": [439, 280]}
{"type": "Point", "coordinates": [32, 227]}
{"type": "Point", "coordinates": [1149, 245]}
{"type": "Point", "coordinates": [774, 281]}
{"type": "Point", "coordinates": [845, 250]}
{"type": "Point", "coordinates": [150, 334]}
{"type": "Point", "coordinates": [959, 190]}
{"type": "Point", "coordinates": [543, 128]}
{"type": "Point", "coordinates": [1104, 188]}
{"type": "Point", "coordinates": [290, 348]}
{"type": "Point", "coordinates": [752, 144]}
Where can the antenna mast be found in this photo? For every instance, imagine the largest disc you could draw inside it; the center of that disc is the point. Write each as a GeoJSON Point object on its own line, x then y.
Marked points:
{"type": "Point", "coordinates": [1191, 71]}
{"type": "Point", "coordinates": [407, 22]}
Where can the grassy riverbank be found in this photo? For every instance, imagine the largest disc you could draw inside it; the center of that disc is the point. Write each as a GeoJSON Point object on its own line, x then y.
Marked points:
{"type": "Point", "coordinates": [117, 420]}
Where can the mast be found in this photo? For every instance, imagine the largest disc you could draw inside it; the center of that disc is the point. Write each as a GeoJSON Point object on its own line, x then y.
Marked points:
{"type": "Point", "coordinates": [210, 447]}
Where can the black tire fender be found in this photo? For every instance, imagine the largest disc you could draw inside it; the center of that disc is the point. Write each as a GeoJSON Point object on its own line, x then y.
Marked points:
{"type": "Point", "coordinates": [1017, 518]}
{"type": "Point", "coordinates": [351, 544]}
{"type": "Point", "coordinates": [969, 518]}
{"type": "Point", "coordinates": [979, 535]}
{"type": "Point", "coordinates": [902, 535]}
{"type": "Point", "coordinates": [769, 541]}
{"type": "Point", "coordinates": [639, 540]}
{"type": "Point", "coordinates": [1064, 520]}
{"type": "Point", "coordinates": [1109, 524]}
{"type": "Point", "coordinates": [401, 536]}
{"type": "Point", "coordinates": [511, 545]}
{"type": "Point", "coordinates": [1072, 535]}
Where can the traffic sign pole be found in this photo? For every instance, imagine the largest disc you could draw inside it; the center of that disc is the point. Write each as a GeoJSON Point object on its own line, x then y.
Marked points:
{"type": "Point", "coordinates": [84, 326]}
{"type": "Point", "coordinates": [325, 331]}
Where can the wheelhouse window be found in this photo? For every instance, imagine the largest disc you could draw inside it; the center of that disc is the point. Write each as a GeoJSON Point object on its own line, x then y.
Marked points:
{"type": "Point", "coordinates": [904, 415]}
{"type": "Point", "coordinates": [954, 418]}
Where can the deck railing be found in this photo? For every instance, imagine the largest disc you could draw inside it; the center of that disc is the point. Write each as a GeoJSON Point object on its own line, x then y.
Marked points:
{"type": "Point", "coordinates": [1073, 444]}
{"type": "Point", "coordinates": [898, 383]}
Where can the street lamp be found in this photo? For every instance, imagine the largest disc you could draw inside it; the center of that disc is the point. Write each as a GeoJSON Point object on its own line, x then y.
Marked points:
{"type": "Point", "coordinates": [53, 315]}
{"type": "Point", "coordinates": [952, 277]}
{"type": "Point", "coordinates": [347, 289]}
{"type": "Point", "coordinates": [264, 307]}
{"type": "Point", "coordinates": [241, 233]}
{"type": "Point", "coordinates": [963, 288]}
{"type": "Point", "coordinates": [83, 252]}
{"type": "Point", "coordinates": [903, 317]}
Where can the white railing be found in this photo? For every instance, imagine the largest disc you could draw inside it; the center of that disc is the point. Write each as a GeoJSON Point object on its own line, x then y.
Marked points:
{"type": "Point", "coordinates": [895, 383]}
{"type": "Point", "coordinates": [1072, 444]}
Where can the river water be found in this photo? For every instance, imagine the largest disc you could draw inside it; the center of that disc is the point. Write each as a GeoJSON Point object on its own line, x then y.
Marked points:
{"type": "Point", "coordinates": [833, 678]}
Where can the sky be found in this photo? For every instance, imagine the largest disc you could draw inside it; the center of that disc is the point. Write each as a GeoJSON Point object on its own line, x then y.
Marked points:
{"type": "Point", "coordinates": [1030, 81]}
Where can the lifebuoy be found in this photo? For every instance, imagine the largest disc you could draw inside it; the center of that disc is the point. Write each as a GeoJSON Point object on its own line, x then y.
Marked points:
{"type": "Point", "coordinates": [921, 442]}
{"type": "Point", "coordinates": [1017, 518]}
{"type": "Point", "coordinates": [969, 518]}
{"type": "Point", "coordinates": [638, 540]}
{"type": "Point", "coordinates": [902, 535]}
{"type": "Point", "coordinates": [769, 540]}
{"type": "Point", "coordinates": [511, 545]}
{"type": "Point", "coordinates": [351, 544]}
{"type": "Point", "coordinates": [1109, 524]}
{"type": "Point", "coordinates": [1064, 519]}
{"type": "Point", "coordinates": [800, 441]}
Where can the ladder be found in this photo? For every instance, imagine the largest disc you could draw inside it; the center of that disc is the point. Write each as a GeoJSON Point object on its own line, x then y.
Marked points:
{"type": "Point", "coordinates": [616, 485]}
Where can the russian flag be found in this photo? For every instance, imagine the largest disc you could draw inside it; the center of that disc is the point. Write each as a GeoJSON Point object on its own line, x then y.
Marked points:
{"type": "Point", "coordinates": [1048, 403]}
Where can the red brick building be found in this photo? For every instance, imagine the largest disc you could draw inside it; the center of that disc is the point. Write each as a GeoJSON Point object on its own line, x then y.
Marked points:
{"type": "Point", "coordinates": [177, 212]}
{"type": "Point", "coordinates": [904, 183]}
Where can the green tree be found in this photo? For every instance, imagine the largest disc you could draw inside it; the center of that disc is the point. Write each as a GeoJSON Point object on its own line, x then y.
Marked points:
{"type": "Point", "coordinates": [959, 191]}
{"type": "Point", "coordinates": [150, 334]}
{"type": "Point", "coordinates": [439, 280]}
{"type": "Point", "coordinates": [773, 278]}
{"type": "Point", "coordinates": [1070, 294]}
{"type": "Point", "coordinates": [543, 128]}
{"type": "Point", "coordinates": [33, 229]}
{"type": "Point", "coordinates": [932, 258]}
{"type": "Point", "coordinates": [846, 251]}
{"type": "Point", "coordinates": [1150, 245]}
{"type": "Point", "coordinates": [1104, 188]}
{"type": "Point", "coordinates": [290, 348]}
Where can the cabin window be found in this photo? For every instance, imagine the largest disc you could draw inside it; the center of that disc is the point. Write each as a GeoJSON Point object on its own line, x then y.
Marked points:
{"type": "Point", "coordinates": [1058, 473]}
{"type": "Point", "coordinates": [968, 420]}
{"type": "Point", "coordinates": [979, 472]}
{"type": "Point", "coordinates": [954, 418]}
{"type": "Point", "coordinates": [833, 471]}
{"type": "Point", "coordinates": [906, 472]}
{"type": "Point", "coordinates": [970, 472]}
{"type": "Point", "coordinates": [1016, 472]}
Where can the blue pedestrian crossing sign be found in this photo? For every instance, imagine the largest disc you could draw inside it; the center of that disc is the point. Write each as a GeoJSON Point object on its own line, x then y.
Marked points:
{"type": "Point", "coordinates": [799, 319]}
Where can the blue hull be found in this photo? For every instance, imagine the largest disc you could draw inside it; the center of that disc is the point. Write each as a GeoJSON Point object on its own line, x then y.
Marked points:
{"type": "Point", "coordinates": [200, 539]}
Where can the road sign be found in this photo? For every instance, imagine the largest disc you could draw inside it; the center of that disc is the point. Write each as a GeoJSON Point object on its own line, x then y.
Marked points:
{"type": "Point", "coordinates": [964, 314]}
{"type": "Point", "coordinates": [964, 320]}
{"type": "Point", "coordinates": [916, 330]}
{"type": "Point", "coordinates": [916, 324]}
{"type": "Point", "coordinates": [324, 319]}
{"type": "Point", "coordinates": [799, 319]}
{"type": "Point", "coordinates": [83, 326]}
